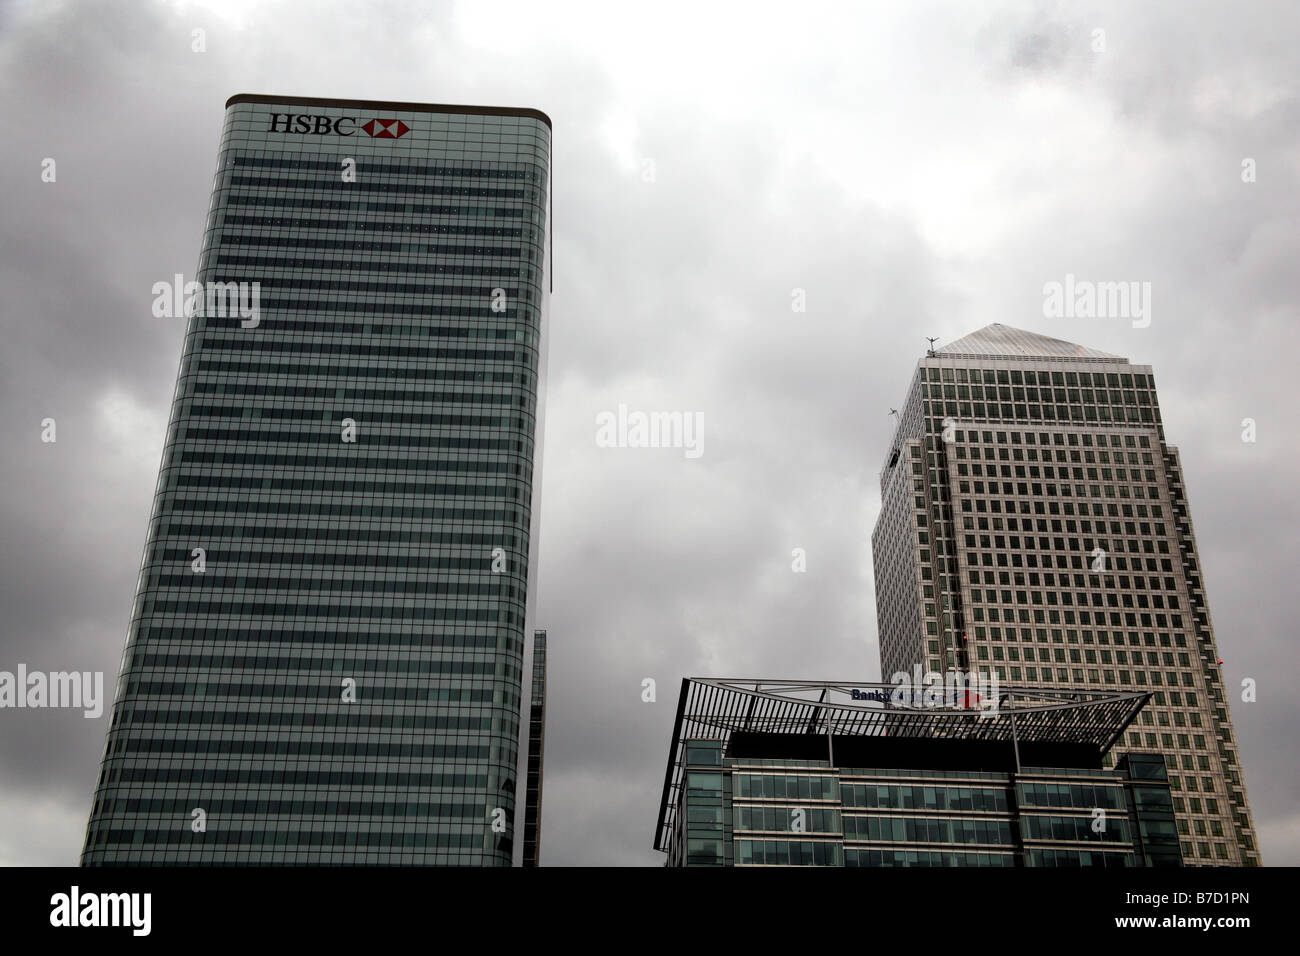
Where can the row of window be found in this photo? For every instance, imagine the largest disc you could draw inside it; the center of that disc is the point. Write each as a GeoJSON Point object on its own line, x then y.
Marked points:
{"type": "Point", "coordinates": [1097, 599]}
{"type": "Point", "coordinates": [285, 223]}
{"type": "Point", "coordinates": [231, 365]}
{"type": "Point", "coordinates": [864, 858]}
{"type": "Point", "coordinates": [1055, 507]}
{"type": "Point", "coordinates": [1131, 619]}
{"type": "Point", "coordinates": [417, 560]}
{"type": "Point", "coordinates": [1051, 505]}
{"type": "Point", "coordinates": [381, 583]}
{"type": "Point", "coordinates": [385, 297]}
{"type": "Point", "coordinates": [264, 344]}
{"type": "Point", "coordinates": [1055, 593]}
{"type": "Point", "coordinates": [373, 417]}
{"type": "Point", "coordinates": [345, 456]}
{"type": "Point", "coordinates": [332, 434]}
{"type": "Point", "coordinates": [1017, 376]}
{"type": "Point", "coordinates": [391, 303]}
{"type": "Point", "coordinates": [322, 160]}
{"type": "Point", "coordinates": [307, 720]}
{"type": "Point", "coordinates": [341, 392]}
{"type": "Point", "coordinates": [403, 208]}
{"type": "Point", "coordinates": [351, 335]}
{"type": "Point", "coordinates": [290, 856]}
{"type": "Point", "coordinates": [926, 830]}
{"type": "Point", "coordinates": [1072, 858]}
{"type": "Point", "coordinates": [327, 690]}
{"type": "Point", "coordinates": [387, 665]}
{"type": "Point", "coordinates": [1095, 414]}
{"type": "Point", "coordinates": [416, 636]}
{"type": "Point", "coordinates": [429, 610]}
{"type": "Point", "coordinates": [330, 486]}
{"type": "Point", "coordinates": [889, 796]}
{"type": "Point", "coordinates": [1215, 827]}
{"type": "Point", "coordinates": [419, 807]}
{"type": "Point", "coordinates": [1097, 827]}
{"type": "Point", "coordinates": [334, 534]}
{"type": "Point", "coordinates": [1046, 655]}
{"type": "Point", "coordinates": [293, 240]}
{"type": "Point", "coordinates": [1032, 394]}
{"type": "Point", "coordinates": [1038, 506]}
{"type": "Point", "coordinates": [785, 786]}
{"type": "Point", "coordinates": [1084, 796]}
{"type": "Point", "coordinates": [347, 748]}
{"type": "Point", "coordinates": [473, 265]}
{"type": "Point", "coordinates": [101, 837]}
{"type": "Point", "coordinates": [1025, 634]}
{"type": "Point", "coordinates": [787, 853]}
{"type": "Point", "coordinates": [1129, 487]}
{"type": "Point", "coordinates": [1094, 677]}
{"type": "Point", "coordinates": [1001, 452]}
{"type": "Point", "coordinates": [345, 508]}
{"type": "Point", "coordinates": [372, 184]}
{"type": "Point", "coordinates": [279, 778]}
{"type": "Point", "coordinates": [787, 819]}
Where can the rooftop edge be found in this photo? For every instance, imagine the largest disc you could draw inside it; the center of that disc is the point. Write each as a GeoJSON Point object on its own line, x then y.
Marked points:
{"type": "Point", "coordinates": [392, 105]}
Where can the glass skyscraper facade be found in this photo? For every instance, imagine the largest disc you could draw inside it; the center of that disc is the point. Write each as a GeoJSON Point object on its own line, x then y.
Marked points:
{"type": "Point", "coordinates": [536, 754]}
{"type": "Point", "coordinates": [325, 655]}
{"type": "Point", "coordinates": [1035, 522]}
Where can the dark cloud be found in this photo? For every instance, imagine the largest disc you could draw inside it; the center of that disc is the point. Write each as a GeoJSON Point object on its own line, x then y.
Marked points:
{"type": "Point", "coordinates": [912, 174]}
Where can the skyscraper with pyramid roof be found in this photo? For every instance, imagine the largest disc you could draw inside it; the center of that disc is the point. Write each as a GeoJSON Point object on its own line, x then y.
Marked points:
{"type": "Point", "coordinates": [1035, 522]}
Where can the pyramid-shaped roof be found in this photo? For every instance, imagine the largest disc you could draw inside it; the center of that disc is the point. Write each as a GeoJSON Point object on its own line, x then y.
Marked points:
{"type": "Point", "coordinates": [1006, 341]}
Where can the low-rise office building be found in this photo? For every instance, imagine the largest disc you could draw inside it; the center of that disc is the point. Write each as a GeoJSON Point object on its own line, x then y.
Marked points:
{"type": "Point", "coordinates": [802, 773]}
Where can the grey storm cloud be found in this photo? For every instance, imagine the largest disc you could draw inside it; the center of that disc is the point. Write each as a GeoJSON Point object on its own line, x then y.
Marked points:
{"type": "Point", "coordinates": [920, 169]}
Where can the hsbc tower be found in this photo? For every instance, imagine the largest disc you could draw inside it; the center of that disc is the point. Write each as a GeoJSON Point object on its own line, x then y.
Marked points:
{"type": "Point", "coordinates": [324, 660]}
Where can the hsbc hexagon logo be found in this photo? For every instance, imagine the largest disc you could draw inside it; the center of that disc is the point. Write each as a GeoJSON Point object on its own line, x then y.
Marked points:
{"type": "Point", "coordinates": [386, 128]}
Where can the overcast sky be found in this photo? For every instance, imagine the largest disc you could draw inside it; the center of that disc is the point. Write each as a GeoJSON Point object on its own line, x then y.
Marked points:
{"type": "Point", "coordinates": [916, 168]}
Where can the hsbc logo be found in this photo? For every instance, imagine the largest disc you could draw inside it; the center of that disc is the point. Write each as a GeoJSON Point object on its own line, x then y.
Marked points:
{"type": "Point", "coordinates": [386, 128]}
{"type": "Point", "coordinates": [335, 126]}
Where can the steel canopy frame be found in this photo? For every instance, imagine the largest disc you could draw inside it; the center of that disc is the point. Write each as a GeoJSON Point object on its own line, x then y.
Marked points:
{"type": "Point", "coordinates": [716, 707]}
